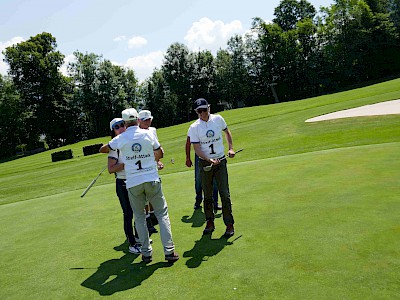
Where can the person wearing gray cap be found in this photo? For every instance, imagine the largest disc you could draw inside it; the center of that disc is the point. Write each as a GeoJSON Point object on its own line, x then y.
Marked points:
{"type": "Point", "coordinates": [139, 151]}
{"type": "Point", "coordinates": [115, 166]}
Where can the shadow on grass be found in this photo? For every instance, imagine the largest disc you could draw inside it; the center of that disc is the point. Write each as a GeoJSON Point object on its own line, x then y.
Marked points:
{"type": "Point", "coordinates": [205, 248]}
{"type": "Point", "coordinates": [121, 274]}
{"type": "Point", "coordinates": [197, 219]}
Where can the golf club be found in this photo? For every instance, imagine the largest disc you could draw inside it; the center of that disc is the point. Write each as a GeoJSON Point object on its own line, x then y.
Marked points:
{"type": "Point", "coordinates": [93, 182]}
{"type": "Point", "coordinates": [208, 168]}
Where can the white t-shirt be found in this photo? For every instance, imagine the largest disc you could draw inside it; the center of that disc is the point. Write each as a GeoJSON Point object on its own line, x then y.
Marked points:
{"type": "Point", "coordinates": [209, 135]}
{"type": "Point", "coordinates": [154, 131]}
{"type": "Point", "coordinates": [115, 155]}
{"type": "Point", "coordinates": [136, 150]}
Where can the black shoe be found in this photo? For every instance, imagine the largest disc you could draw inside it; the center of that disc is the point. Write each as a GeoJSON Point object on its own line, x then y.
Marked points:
{"type": "Point", "coordinates": [152, 230]}
{"type": "Point", "coordinates": [150, 226]}
{"type": "Point", "coordinates": [197, 206]}
{"type": "Point", "coordinates": [153, 218]}
{"type": "Point", "coordinates": [209, 227]}
{"type": "Point", "coordinates": [147, 259]}
{"type": "Point", "coordinates": [230, 231]}
{"type": "Point", "coordinates": [216, 208]}
{"type": "Point", "coordinates": [172, 257]}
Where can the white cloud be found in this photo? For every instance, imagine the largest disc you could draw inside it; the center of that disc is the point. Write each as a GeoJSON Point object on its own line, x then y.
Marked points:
{"type": "Point", "coordinates": [133, 42]}
{"type": "Point", "coordinates": [144, 65]}
{"type": "Point", "coordinates": [136, 42]}
{"type": "Point", "coordinates": [211, 35]}
{"type": "Point", "coordinates": [120, 38]}
{"type": "Point", "coordinates": [3, 46]}
{"type": "Point", "coordinates": [67, 59]}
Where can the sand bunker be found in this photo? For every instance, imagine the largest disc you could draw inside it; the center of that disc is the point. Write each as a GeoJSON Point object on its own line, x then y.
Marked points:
{"type": "Point", "coordinates": [382, 108]}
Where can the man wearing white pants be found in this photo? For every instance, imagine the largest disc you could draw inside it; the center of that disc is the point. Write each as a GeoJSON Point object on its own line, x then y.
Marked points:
{"type": "Point", "coordinates": [139, 152]}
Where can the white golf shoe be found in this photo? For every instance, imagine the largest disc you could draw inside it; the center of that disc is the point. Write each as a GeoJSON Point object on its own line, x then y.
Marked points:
{"type": "Point", "coordinates": [135, 249]}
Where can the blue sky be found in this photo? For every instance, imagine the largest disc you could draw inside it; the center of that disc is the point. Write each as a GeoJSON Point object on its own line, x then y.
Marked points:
{"type": "Point", "coordinates": [130, 33]}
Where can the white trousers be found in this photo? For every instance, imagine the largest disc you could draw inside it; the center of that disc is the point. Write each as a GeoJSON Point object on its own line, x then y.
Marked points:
{"type": "Point", "coordinates": [138, 197]}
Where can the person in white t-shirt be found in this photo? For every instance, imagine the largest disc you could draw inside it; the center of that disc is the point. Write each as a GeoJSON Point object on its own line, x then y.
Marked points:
{"type": "Point", "coordinates": [115, 165]}
{"type": "Point", "coordinates": [145, 119]}
{"type": "Point", "coordinates": [140, 150]}
{"type": "Point", "coordinates": [206, 137]}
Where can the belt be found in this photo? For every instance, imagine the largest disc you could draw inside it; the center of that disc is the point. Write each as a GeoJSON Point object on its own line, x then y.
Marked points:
{"type": "Point", "coordinates": [221, 158]}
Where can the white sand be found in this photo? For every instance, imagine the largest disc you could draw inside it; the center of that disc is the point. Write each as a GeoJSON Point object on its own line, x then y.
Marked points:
{"type": "Point", "coordinates": [382, 108]}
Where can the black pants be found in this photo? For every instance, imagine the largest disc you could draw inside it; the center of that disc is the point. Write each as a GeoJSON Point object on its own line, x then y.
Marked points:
{"type": "Point", "coordinates": [220, 174]}
{"type": "Point", "coordinates": [123, 197]}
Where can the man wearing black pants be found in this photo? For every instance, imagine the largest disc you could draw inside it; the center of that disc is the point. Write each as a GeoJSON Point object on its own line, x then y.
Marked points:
{"type": "Point", "coordinates": [206, 137]}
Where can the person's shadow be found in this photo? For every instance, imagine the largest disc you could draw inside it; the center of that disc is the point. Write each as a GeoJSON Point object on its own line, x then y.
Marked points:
{"type": "Point", "coordinates": [121, 274]}
{"type": "Point", "coordinates": [204, 248]}
{"type": "Point", "coordinates": [197, 219]}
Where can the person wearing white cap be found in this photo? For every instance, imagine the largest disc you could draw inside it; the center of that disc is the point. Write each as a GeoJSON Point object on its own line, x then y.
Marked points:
{"type": "Point", "coordinates": [140, 149]}
{"type": "Point", "coordinates": [206, 137]}
{"type": "Point", "coordinates": [145, 119]}
{"type": "Point", "coordinates": [115, 165]}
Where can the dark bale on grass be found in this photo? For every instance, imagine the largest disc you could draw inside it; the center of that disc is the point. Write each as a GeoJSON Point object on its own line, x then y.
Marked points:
{"type": "Point", "coordinates": [91, 149]}
{"type": "Point", "coordinates": [61, 155]}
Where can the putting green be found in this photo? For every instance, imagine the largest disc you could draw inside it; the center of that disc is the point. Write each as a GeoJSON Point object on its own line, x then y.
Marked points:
{"type": "Point", "coordinates": [307, 226]}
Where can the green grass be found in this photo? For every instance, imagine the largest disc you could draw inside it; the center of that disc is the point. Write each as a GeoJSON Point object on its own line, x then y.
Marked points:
{"type": "Point", "coordinates": [316, 208]}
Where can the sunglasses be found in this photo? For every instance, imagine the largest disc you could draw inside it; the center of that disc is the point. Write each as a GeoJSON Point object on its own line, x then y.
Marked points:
{"type": "Point", "coordinates": [201, 110]}
{"type": "Point", "coordinates": [118, 126]}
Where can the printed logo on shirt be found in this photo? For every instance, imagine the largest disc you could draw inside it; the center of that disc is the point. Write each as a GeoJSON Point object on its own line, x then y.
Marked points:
{"type": "Point", "coordinates": [136, 147]}
{"type": "Point", "coordinates": [210, 133]}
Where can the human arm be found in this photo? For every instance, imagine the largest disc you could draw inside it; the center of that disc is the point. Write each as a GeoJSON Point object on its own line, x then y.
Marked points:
{"type": "Point", "coordinates": [105, 148]}
{"type": "Point", "coordinates": [114, 166]}
{"type": "Point", "coordinates": [153, 130]}
{"type": "Point", "coordinates": [158, 153]}
{"type": "Point", "coordinates": [160, 165]}
{"type": "Point", "coordinates": [162, 152]}
{"type": "Point", "coordinates": [189, 162]}
{"type": "Point", "coordinates": [228, 135]}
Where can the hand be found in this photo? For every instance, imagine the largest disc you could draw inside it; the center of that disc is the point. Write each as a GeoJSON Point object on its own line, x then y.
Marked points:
{"type": "Point", "coordinates": [160, 165]}
{"type": "Point", "coordinates": [231, 153]}
{"type": "Point", "coordinates": [189, 162]}
{"type": "Point", "coordinates": [214, 162]}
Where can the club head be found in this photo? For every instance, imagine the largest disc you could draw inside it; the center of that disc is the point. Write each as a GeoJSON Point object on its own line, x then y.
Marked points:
{"type": "Point", "coordinates": [207, 168]}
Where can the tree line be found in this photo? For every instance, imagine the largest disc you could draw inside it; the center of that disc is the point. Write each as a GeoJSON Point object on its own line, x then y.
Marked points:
{"type": "Point", "coordinates": [301, 53]}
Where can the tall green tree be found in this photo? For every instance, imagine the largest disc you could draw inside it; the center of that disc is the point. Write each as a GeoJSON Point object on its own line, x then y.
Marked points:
{"type": "Point", "coordinates": [160, 101]}
{"type": "Point", "coordinates": [102, 91]}
{"type": "Point", "coordinates": [177, 69]}
{"type": "Point", "coordinates": [275, 61]}
{"type": "Point", "coordinates": [223, 72]}
{"type": "Point", "coordinates": [12, 115]}
{"type": "Point", "coordinates": [34, 69]}
{"type": "Point", "coordinates": [240, 84]}
{"type": "Point", "coordinates": [202, 84]}
{"type": "Point", "coordinates": [289, 12]}
{"type": "Point", "coordinates": [358, 44]}
{"type": "Point", "coordinates": [394, 12]}
{"type": "Point", "coordinates": [84, 72]}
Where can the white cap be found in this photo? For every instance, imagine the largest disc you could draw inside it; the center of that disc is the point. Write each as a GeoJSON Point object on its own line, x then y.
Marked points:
{"type": "Point", "coordinates": [115, 121]}
{"type": "Point", "coordinates": [145, 115]}
{"type": "Point", "coordinates": [130, 114]}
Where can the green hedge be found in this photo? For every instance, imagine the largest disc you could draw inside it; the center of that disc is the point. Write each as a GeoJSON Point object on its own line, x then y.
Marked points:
{"type": "Point", "coordinates": [91, 149]}
{"type": "Point", "coordinates": [61, 155]}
